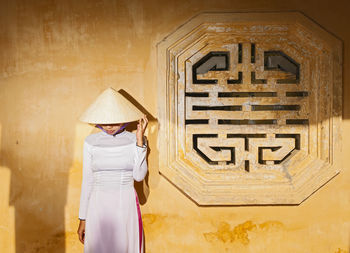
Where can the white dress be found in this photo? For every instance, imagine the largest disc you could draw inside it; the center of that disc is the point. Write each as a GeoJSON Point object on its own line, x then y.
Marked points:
{"type": "Point", "coordinates": [108, 200]}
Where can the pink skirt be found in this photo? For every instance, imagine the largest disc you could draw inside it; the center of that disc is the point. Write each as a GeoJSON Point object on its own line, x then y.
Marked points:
{"type": "Point", "coordinates": [113, 222]}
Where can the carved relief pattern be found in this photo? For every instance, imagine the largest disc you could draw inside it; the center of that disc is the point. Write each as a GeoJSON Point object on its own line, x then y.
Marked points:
{"type": "Point", "coordinates": [251, 108]}
{"type": "Point", "coordinates": [235, 108]}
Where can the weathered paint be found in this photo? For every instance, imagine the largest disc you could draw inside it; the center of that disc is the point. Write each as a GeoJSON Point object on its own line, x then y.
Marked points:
{"type": "Point", "coordinates": [57, 56]}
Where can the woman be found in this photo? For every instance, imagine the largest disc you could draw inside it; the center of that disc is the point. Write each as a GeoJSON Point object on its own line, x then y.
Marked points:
{"type": "Point", "coordinates": [109, 213]}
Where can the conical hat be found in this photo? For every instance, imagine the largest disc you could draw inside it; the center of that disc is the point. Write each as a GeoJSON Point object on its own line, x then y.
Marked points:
{"type": "Point", "coordinates": [111, 108]}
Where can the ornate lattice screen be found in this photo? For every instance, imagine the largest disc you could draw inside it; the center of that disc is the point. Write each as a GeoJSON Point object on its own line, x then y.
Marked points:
{"type": "Point", "coordinates": [250, 108]}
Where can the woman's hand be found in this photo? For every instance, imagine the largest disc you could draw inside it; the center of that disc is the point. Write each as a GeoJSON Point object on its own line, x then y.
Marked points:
{"type": "Point", "coordinates": [81, 231]}
{"type": "Point", "coordinates": [141, 127]}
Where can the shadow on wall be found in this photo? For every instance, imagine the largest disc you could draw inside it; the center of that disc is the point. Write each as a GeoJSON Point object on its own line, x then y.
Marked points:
{"type": "Point", "coordinates": [142, 188]}
{"type": "Point", "coordinates": [37, 149]}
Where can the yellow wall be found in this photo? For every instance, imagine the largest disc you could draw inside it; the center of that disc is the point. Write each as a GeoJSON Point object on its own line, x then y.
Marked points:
{"type": "Point", "coordinates": [56, 56]}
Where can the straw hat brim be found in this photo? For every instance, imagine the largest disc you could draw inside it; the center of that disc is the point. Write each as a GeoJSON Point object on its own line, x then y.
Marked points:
{"type": "Point", "coordinates": [110, 107]}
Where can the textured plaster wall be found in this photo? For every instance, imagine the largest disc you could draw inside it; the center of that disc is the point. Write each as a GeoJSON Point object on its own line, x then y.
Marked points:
{"type": "Point", "coordinates": [56, 56]}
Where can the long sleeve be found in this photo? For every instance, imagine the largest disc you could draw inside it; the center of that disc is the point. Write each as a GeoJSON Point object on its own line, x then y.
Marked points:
{"type": "Point", "coordinates": [87, 181]}
{"type": "Point", "coordinates": [140, 166]}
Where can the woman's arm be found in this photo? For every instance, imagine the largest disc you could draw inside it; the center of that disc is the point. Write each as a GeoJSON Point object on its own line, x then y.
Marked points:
{"type": "Point", "coordinates": [140, 165]}
{"type": "Point", "coordinates": [86, 187]}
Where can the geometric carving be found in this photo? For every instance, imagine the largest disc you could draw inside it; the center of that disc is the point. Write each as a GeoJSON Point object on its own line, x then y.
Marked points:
{"type": "Point", "coordinates": [213, 61]}
{"type": "Point", "coordinates": [249, 108]}
{"type": "Point", "coordinates": [277, 60]}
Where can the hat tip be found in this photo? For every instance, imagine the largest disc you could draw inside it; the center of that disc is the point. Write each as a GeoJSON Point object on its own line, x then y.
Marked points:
{"type": "Point", "coordinates": [109, 90]}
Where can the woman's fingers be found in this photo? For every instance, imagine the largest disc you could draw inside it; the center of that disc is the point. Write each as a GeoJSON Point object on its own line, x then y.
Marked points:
{"type": "Point", "coordinates": [81, 231]}
{"type": "Point", "coordinates": [145, 122]}
{"type": "Point", "coordinates": [139, 125]}
{"type": "Point", "coordinates": [142, 124]}
{"type": "Point", "coordinates": [81, 236]}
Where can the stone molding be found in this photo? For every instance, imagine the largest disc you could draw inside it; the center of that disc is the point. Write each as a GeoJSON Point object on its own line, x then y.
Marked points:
{"type": "Point", "coordinates": [250, 108]}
